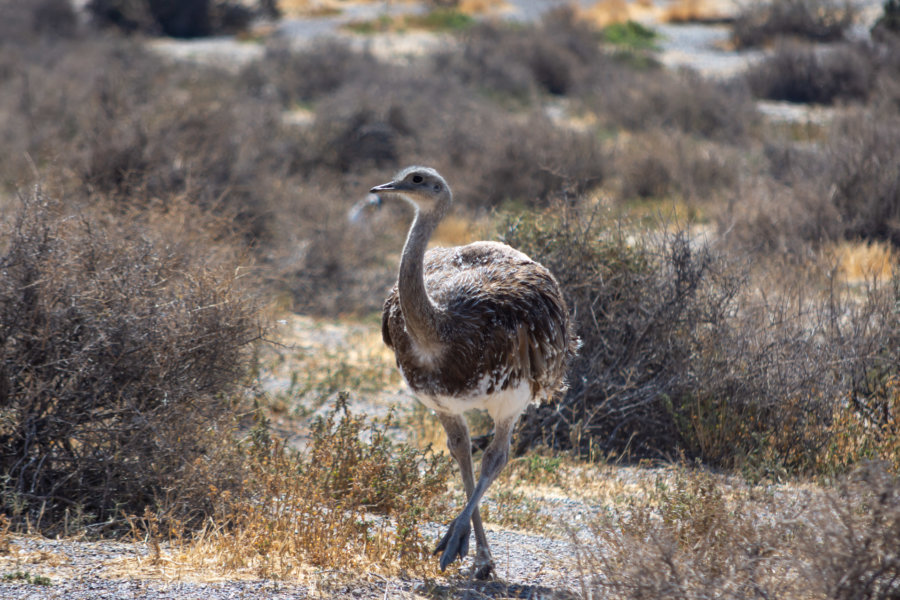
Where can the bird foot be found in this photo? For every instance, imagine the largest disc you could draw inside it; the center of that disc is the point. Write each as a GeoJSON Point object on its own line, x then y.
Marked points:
{"type": "Point", "coordinates": [483, 571]}
{"type": "Point", "coordinates": [455, 543]}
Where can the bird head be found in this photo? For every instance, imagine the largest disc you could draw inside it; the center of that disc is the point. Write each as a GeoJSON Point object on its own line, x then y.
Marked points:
{"type": "Point", "coordinates": [423, 186]}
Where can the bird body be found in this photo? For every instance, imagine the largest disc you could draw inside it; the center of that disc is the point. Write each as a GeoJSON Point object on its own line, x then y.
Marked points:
{"type": "Point", "coordinates": [480, 326]}
{"type": "Point", "coordinates": [501, 325]}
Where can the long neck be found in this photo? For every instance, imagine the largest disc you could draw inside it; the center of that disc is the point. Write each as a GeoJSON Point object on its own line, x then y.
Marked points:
{"type": "Point", "coordinates": [419, 312]}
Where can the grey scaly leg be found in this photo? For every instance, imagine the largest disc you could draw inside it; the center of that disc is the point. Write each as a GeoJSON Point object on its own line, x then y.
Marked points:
{"type": "Point", "coordinates": [455, 543]}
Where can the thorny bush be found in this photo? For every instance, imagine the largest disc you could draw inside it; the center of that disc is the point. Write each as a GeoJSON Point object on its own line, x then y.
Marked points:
{"type": "Point", "coordinates": [682, 353]}
{"type": "Point", "coordinates": [119, 355]}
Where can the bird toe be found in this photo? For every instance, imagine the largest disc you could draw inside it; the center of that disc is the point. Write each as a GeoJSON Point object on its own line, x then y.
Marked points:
{"type": "Point", "coordinates": [484, 571]}
{"type": "Point", "coordinates": [454, 544]}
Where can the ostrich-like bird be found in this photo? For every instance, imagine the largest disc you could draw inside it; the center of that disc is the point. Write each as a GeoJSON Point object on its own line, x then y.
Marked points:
{"type": "Point", "coordinates": [480, 326]}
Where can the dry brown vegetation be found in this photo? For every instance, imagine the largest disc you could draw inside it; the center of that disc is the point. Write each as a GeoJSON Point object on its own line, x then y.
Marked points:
{"type": "Point", "coordinates": [763, 21]}
{"type": "Point", "coordinates": [151, 208]}
{"type": "Point", "coordinates": [692, 536]}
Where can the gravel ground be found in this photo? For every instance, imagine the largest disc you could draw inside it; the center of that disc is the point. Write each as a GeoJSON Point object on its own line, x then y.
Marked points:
{"type": "Point", "coordinates": [527, 566]}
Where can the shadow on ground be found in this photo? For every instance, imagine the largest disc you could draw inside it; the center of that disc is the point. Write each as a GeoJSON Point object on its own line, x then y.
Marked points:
{"type": "Point", "coordinates": [482, 590]}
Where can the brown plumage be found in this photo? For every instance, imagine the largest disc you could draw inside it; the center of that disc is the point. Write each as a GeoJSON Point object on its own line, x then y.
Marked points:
{"type": "Point", "coordinates": [476, 326]}
{"type": "Point", "coordinates": [504, 322]}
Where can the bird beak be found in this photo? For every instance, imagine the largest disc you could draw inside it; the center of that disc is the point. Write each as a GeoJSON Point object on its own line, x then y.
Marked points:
{"type": "Point", "coordinates": [384, 187]}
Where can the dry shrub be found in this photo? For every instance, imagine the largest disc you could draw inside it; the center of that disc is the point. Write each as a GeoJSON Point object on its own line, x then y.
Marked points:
{"type": "Point", "coordinates": [889, 21]}
{"type": "Point", "coordinates": [807, 74]}
{"type": "Point", "coordinates": [843, 188]}
{"type": "Point", "coordinates": [307, 75]}
{"type": "Point", "coordinates": [558, 56]}
{"type": "Point", "coordinates": [46, 19]}
{"type": "Point", "coordinates": [696, 538]}
{"type": "Point", "coordinates": [315, 508]}
{"type": "Point", "coordinates": [685, 351]}
{"type": "Point", "coordinates": [661, 164]}
{"type": "Point", "coordinates": [120, 355]}
{"type": "Point", "coordinates": [141, 131]}
{"type": "Point", "coordinates": [175, 18]}
{"type": "Point", "coordinates": [761, 22]}
{"type": "Point", "coordinates": [637, 302]}
{"type": "Point", "coordinates": [851, 544]}
{"type": "Point", "coordinates": [488, 155]}
{"type": "Point", "coordinates": [859, 435]}
{"type": "Point", "coordinates": [862, 155]}
{"type": "Point", "coordinates": [685, 101]}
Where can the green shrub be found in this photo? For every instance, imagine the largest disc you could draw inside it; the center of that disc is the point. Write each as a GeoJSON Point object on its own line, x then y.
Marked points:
{"type": "Point", "coordinates": [630, 34]}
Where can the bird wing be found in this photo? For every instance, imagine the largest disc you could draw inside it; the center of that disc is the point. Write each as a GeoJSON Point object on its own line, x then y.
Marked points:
{"type": "Point", "coordinates": [504, 321]}
{"type": "Point", "coordinates": [506, 312]}
{"type": "Point", "coordinates": [391, 303]}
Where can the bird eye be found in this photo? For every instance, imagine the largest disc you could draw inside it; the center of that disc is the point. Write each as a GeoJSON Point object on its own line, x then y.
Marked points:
{"type": "Point", "coordinates": [417, 179]}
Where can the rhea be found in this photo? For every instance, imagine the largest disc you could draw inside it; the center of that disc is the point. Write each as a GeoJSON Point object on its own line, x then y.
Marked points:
{"type": "Point", "coordinates": [480, 326]}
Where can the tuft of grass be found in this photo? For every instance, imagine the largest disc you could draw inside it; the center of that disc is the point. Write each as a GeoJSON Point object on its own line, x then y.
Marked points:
{"type": "Point", "coordinates": [435, 20]}
{"type": "Point", "coordinates": [441, 19]}
{"type": "Point", "coordinates": [859, 262]}
{"type": "Point", "coordinates": [630, 34]}
{"type": "Point", "coordinates": [26, 577]}
{"type": "Point", "coordinates": [513, 508]}
{"type": "Point", "coordinates": [380, 24]}
{"type": "Point", "coordinates": [351, 503]}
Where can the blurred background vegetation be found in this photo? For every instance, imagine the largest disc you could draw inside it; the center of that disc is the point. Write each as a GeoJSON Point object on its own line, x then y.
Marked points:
{"type": "Point", "coordinates": [733, 274]}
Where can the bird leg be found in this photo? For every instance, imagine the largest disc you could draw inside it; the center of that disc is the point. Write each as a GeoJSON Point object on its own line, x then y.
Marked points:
{"type": "Point", "coordinates": [460, 446]}
{"type": "Point", "coordinates": [455, 542]}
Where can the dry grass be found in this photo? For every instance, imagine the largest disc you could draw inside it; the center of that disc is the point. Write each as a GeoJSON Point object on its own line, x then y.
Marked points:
{"type": "Point", "coordinates": [859, 262]}
{"type": "Point", "coordinates": [309, 8]}
{"type": "Point", "coordinates": [607, 12]}
{"type": "Point", "coordinates": [317, 358]}
{"type": "Point", "coordinates": [456, 230]}
{"type": "Point", "coordinates": [611, 12]}
{"type": "Point", "coordinates": [695, 11]}
{"type": "Point", "coordinates": [697, 536]}
{"type": "Point", "coordinates": [351, 502]}
{"type": "Point", "coordinates": [482, 7]}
